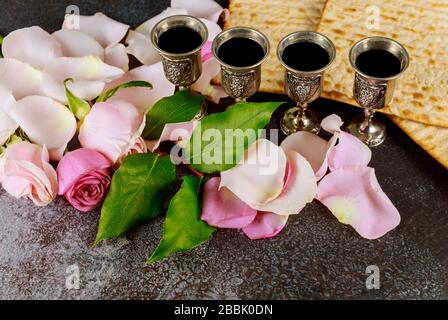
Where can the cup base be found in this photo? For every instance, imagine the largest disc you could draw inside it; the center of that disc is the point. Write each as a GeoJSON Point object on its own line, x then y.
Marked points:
{"type": "Point", "coordinates": [292, 122]}
{"type": "Point", "coordinates": [373, 135]}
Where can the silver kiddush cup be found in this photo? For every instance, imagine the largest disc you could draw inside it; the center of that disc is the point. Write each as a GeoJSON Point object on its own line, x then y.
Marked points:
{"type": "Point", "coordinates": [240, 82]}
{"type": "Point", "coordinates": [181, 69]}
{"type": "Point", "coordinates": [303, 87]}
{"type": "Point", "coordinates": [373, 93]}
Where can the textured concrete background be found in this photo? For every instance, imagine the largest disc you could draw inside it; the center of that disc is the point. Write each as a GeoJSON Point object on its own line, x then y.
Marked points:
{"type": "Point", "coordinates": [314, 257]}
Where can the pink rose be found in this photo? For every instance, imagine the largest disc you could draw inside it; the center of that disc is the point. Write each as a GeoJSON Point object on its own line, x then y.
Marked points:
{"type": "Point", "coordinates": [112, 129]}
{"type": "Point", "coordinates": [25, 172]}
{"type": "Point", "coordinates": [84, 178]}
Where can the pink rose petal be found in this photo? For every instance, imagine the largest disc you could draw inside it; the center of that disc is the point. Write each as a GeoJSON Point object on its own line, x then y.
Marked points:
{"type": "Point", "coordinates": [100, 27]}
{"type": "Point", "coordinates": [300, 189]}
{"type": "Point", "coordinates": [76, 164]}
{"type": "Point", "coordinates": [312, 147]}
{"type": "Point", "coordinates": [354, 196]}
{"type": "Point", "coordinates": [222, 209]}
{"type": "Point", "coordinates": [31, 45]}
{"type": "Point", "coordinates": [117, 56]}
{"type": "Point", "coordinates": [266, 225]}
{"type": "Point", "coordinates": [111, 128]}
{"type": "Point", "coordinates": [259, 177]}
{"type": "Point", "coordinates": [207, 51]}
{"type": "Point", "coordinates": [208, 9]}
{"type": "Point", "coordinates": [210, 69]}
{"type": "Point", "coordinates": [20, 78]}
{"type": "Point", "coordinates": [7, 125]}
{"type": "Point", "coordinates": [349, 151]}
{"type": "Point", "coordinates": [143, 98]}
{"type": "Point", "coordinates": [46, 122]}
{"type": "Point", "coordinates": [77, 44]}
{"type": "Point", "coordinates": [89, 73]}
{"type": "Point", "coordinates": [176, 132]}
{"type": "Point", "coordinates": [332, 123]}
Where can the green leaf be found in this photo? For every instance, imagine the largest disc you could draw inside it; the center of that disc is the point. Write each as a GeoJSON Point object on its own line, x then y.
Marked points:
{"type": "Point", "coordinates": [180, 107]}
{"type": "Point", "coordinates": [220, 140]}
{"type": "Point", "coordinates": [131, 84]}
{"type": "Point", "coordinates": [79, 107]}
{"type": "Point", "coordinates": [183, 229]}
{"type": "Point", "coordinates": [1, 42]}
{"type": "Point", "coordinates": [139, 188]}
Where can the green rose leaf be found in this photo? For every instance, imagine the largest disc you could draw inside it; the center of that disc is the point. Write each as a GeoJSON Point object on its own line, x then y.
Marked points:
{"type": "Point", "coordinates": [219, 142]}
{"type": "Point", "coordinates": [1, 42]}
{"type": "Point", "coordinates": [180, 107]}
{"type": "Point", "coordinates": [80, 108]}
{"type": "Point", "coordinates": [183, 229]}
{"type": "Point", "coordinates": [138, 189]}
{"type": "Point", "coordinates": [131, 84]}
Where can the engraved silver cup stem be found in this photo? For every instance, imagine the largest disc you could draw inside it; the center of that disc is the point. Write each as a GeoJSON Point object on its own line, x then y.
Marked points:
{"type": "Point", "coordinates": [240, 82]}
{"type": "Point", "coordinates": [303, 87]}
{"type": "Point", "coordinates": [373, 93]}
{"type": "Point", "coordinates": [181, 69]}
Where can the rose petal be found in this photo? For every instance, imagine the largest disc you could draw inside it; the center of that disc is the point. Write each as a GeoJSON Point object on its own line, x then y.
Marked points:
{"type": "Point", "coordinates": [31, 45]}
{"type": "Point", "coordinates": [140, 46]}
{"type": "Point", "coordinates": [55, 127]}
{"type": "Point", "coordinates": [117, 56]}
{"type": "Point", "coordinates": [148, 25]}
{"type": "Point", "coordinates": [76, 164]}
{"type": "Point", "coordinates": [259, 177]}
{"type": "Point", "coordinates": [312, 147]}
{"type": "Point", "coordinates": [349, 151]}
{"type": "Point", "coordinates": [299, 190]}
{"type": "Point", "coordinates": [222, 209]}
{"type": "Point", "coordinates": [143, 98]}
{"type": "Point", "coordinates": [210, 69]}
{"type": "Point", "coordinates": [89, 74]}
{"type": "Point", "coordinates": [208, 9]}
{"type": "Point", "coordinates": [265, 225]}
{"type": "Point", "coordinates": [332, 123]}
{"type": "Point", "coordinates": [100, 27]}
{"type": "Point", "coordinates": [77, 44]}
{"type": "Point", "coordinates": [7, 125]}
{"type": "Point", "coordinates": [20, 78]}
{"type": "Point", "coordinates": [354, 196]}
{"type": "Point", "coordinates": [213, 29]}
{"type": "Point", "coordinates": [176, 132]}
{"type": "Point", "coordinates": [111, 128]}
{"type": "Point", "coordinates": [207, 51]}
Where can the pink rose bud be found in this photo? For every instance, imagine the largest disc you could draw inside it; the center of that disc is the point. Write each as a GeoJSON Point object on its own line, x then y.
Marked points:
{"type": "Point", "coordinates": [84, 178]}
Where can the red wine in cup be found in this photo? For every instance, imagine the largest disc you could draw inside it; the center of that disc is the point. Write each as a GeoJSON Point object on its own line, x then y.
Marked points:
{"type": "Point", "coordinates": [305, 56]}
{"type": "Point", "coordinates": [179, 40]}
{"type": "Point", "coordinates": [378, 63]}
{"type": "Point", "coordinates": [241, 52]}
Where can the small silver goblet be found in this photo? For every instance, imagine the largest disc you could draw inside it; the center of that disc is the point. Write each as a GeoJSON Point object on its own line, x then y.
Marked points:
{"type": "Point", "coordinates": [301, 86]}
{"type": "Point", "coordinates": [181, 68]}
{"type": "Point", "coordinates": [373, 92]}
{"type": "Point", "coordinates": [240, 82]}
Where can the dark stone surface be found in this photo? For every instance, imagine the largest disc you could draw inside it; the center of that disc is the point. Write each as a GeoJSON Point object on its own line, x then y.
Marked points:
{"type": "Point", "coordinates": [314, 257]}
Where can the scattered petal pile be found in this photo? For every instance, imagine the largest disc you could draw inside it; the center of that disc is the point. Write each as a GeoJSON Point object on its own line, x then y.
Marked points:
{"type": "Point", "coordinates": [273, 182]}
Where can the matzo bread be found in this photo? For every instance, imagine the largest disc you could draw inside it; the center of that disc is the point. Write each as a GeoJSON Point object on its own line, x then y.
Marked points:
{"type": "Point", "coordinates": [432, 139]}
{"type": "Point", "coordinates": [421, 26]}
{"type": "Point", "coordinates": [276, 19]}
